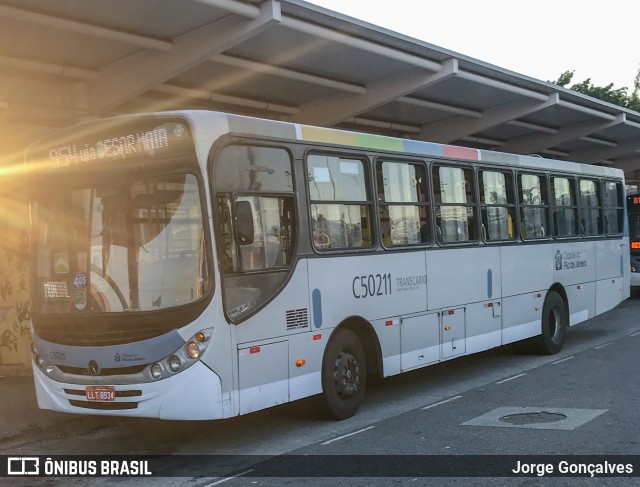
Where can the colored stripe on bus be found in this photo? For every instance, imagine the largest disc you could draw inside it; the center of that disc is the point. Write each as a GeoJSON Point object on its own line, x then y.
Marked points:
{"type": "Point", "coordinates": [423, 148]}
{"type": "Point", "coordinates": [369, 141]}
{"type": "Point", "coordinates": [461, 152]}
{"type": "Point", "coordinates": [381, 142]}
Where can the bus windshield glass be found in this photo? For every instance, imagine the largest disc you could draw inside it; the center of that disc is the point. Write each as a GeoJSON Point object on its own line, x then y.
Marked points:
{"type": "Point", "coordinates": [129, 243]}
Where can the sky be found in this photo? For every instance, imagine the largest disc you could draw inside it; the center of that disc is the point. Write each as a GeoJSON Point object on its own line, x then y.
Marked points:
{"type": "Point", "coordinates": [537, 38]}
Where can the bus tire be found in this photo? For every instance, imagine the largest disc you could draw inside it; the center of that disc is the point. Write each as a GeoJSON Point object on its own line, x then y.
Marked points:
{"type": "Point", "coordinates": [344, 375]}
{"type": "Point", "coordinates": [555, 321]}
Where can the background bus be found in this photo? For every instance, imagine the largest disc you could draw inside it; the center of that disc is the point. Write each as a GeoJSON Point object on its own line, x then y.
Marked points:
{"type": "Point", "coordinates": [199, 265]}
{"type": "Point", "coordinates": [633, 215]}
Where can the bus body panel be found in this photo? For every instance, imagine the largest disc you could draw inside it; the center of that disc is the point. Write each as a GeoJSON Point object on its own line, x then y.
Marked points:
{"type": "Point", "coordinates": [610, 262]}
{"type": "Point", "coordinates": [453, 333]}
{"type": "Point", "coordinates": [305, 363]}
{"type": "Point", "coordinates": [608, 294]}
{"type": "Point", "coordinates": [419, 341]}
{"type": "Point", "coordinates": [574, 262]}
{"type": "Point", "coordinates": [522, 316]}
{"type": "Point", "coordinates": [483, 325]}
{"type": "Point", "coordinates": [287, 312]}
{"type": "Point", "coordinates": [370, 286]}
{"type": "Point", "coordinates": [388, 332]}
{"type": "Point", "coordinates": [263, 375]}
{"type": "Point", "coordinates": [526, 269]}
{"type": "Point", "coordinates": [582, 302]}
{"type": "Point", "coordinates": [609, 259]}
{"type": "Point", "coordinates": [460, 276]}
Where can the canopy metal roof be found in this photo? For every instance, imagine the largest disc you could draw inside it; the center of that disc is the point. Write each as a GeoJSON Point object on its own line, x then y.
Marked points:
{"type": "Point", "coordinates": [62, 61]}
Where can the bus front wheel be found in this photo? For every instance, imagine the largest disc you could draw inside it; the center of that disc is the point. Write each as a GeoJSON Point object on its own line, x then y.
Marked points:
{"type": "Point", "coordinates": [555, 321]}
{"type": "Point", "coordinates": [344, 375]}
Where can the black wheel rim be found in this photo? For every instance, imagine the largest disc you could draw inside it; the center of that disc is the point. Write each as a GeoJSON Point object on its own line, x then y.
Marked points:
{"type": "Point", "coordinates": [346, 374]}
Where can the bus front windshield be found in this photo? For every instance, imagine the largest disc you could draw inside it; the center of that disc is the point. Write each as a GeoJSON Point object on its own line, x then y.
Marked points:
{"type": "Point", "coordinates": [127, 244]}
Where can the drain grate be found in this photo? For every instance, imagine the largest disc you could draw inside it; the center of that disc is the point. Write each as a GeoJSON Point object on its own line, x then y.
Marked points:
{"type": "Point", "coordinates": [533, 418]}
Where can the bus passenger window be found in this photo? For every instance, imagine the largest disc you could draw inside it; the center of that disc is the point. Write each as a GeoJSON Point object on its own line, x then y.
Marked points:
{"type": "Point", "coordinates": [590, 212]}
{"type": "Point", "coordinates": [564, 207]}
{"type": "Point", "coordinates": [533, 206]}
{"type": "Point", "coordinates": [455, 204]}
{"type": "Point", "coordinates": [613, 208]}
{"type": "Point", "coordinates": [341, 205]}
{"type": "Point", "coordinates": [402, 190]}
{"type": "Point", "coordinates": [498, 206]}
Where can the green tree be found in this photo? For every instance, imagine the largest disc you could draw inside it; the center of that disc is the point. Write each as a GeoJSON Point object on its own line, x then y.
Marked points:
{"type": "Point", "coordinates": [616, 96]}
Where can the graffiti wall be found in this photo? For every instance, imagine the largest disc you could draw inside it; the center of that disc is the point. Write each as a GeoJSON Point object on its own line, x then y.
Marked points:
{"type": "Point", "coordinates": [15, 306]}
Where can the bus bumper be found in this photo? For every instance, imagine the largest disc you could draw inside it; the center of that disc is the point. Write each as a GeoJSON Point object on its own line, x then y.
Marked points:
{"type": "Point", "coordinates": [193, 394]}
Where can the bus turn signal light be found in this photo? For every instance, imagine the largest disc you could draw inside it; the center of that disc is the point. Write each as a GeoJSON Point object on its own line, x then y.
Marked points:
{"type": "Point", "coordinates": [300, 362]}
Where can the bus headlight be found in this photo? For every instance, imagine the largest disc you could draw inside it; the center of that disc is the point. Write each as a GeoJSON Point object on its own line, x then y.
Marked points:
{"type": "Point", "coordinates": [49, 369]}
{"type": "Point", "coordinates": [39, 361]}
{"type": "Point", "coordinates": [183, 358]}
{"type": "Point", "coordinates": [175, 363]}
{"type": "Point", "coordinates": [193, 351]}
{"type": "Point", "coordinates": [156, 371]}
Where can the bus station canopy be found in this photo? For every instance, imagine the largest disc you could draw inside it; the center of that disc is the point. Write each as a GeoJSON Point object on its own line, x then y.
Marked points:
{"type": "Point", "coordinates": [64, 61]}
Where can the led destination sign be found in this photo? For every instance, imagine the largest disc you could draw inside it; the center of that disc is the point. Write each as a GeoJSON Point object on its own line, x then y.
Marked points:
{"type": "Point", "coordinates": [120, 147]}
{"type": "Point", "coordinates": [140, 140]}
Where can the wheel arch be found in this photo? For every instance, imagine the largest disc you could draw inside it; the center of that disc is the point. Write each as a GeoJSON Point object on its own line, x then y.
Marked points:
{"type": "Point", "coordinates": [559, 289]}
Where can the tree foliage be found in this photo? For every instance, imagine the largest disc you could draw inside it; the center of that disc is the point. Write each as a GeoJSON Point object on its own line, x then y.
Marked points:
{"type": "Point", "coordinates": [616, 96]}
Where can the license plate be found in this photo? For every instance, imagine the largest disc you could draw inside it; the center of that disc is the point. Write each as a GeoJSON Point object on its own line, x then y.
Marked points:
{"type": "Point", "coordinates": [100, 393]}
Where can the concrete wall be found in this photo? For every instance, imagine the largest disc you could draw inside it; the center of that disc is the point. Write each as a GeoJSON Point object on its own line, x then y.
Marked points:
{"type": "Point", "coordinates": [15, 304]}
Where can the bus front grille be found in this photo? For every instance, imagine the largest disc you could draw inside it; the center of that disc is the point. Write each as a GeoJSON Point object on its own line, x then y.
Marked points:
{"type": "Point", "coordinates": [136, 369]}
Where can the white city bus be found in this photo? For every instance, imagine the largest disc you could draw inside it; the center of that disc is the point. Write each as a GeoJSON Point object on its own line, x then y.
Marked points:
{"type": "Point", "coordinates": [200, 265]}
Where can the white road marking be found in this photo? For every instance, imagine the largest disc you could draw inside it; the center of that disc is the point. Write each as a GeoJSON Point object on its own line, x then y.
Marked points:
{"type": "Point", "coordinates": [510, 378]}
{"type": "Point", "coordinates": [441, 402]}
{"type": "Point", "coordinates": [346, 436]}
{"type": "Point", "coordinates": [562, 360]}
{"type": "Point", "coordinates": [218, 482]}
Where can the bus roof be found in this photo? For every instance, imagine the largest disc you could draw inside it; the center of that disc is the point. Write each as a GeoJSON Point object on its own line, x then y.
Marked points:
{"type": "Point", "coordinates": [243, 125]}
{"type": "Point", "coordinates": [264, 128]}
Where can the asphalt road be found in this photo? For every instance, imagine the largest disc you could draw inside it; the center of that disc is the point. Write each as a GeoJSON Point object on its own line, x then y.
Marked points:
{"type": "Point", "coordinates": [583, 401]}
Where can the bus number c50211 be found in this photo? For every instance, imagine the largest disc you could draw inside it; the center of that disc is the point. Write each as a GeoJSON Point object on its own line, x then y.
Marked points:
{"type": "Point", "coordinates": [371, 285]}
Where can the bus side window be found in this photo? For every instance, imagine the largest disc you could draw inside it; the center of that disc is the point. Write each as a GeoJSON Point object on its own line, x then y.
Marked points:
{"type": "Point", "coordinates": [455, 203]}
{"type": "Point", "coordinates": [613, 208]}
{"type": "Point", "coordinates": [497, 205]}
{"type": "Point", "coordinates": [533, 205]}
{"type": "Point", "coordinates": [402, 199]}
{"type": "Point", "coordinates": [340, 202]}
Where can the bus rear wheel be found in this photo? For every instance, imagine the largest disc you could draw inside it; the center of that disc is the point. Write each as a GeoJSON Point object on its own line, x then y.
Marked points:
{"type": "Point", "coordinates": [555, 321]}
{"type": "Point", "coordinates": [344, 375]}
